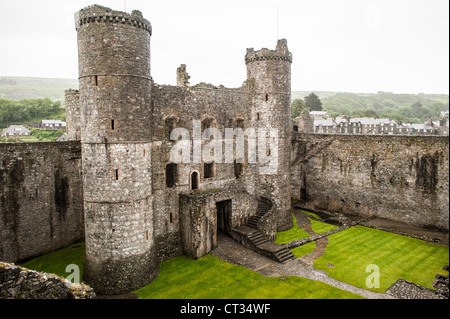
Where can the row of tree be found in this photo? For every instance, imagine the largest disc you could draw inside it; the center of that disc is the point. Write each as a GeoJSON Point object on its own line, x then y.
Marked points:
{"type": "Point", "coordinates": [27, 110]}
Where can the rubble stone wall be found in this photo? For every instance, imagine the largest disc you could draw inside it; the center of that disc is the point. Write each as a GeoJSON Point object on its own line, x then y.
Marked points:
{"type": "Point", "coordinates": [41, 198]}
{"type": "Point", "coordinates": [401, 178]}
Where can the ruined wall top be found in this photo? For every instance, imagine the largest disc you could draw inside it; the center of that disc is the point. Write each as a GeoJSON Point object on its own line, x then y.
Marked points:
{"type": "Point", "coordinates": [280, 53]}
{"type": "Point", "coordinates": [100, 14]}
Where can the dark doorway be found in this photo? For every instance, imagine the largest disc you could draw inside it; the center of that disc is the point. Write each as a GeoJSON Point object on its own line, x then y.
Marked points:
{"type": "Point", "coordinates": [224, 210]}
{"type": "Point", "coordinates": [194, 180]}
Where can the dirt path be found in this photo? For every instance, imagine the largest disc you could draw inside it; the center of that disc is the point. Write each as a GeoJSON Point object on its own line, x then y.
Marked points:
{"type": "Point", "coordinates": [304, 223]}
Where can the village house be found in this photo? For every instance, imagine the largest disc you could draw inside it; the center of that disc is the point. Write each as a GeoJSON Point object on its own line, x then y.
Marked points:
{"type": "Point", "coordinates": [16, 130]}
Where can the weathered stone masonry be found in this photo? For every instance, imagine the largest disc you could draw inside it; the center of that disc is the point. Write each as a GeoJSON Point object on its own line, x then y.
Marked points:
{"type": "Point", "coordinates": [116, 138]}
{"type": "Point", "coordinates": [133, 216]}
{"type": "Point", "coordinates": [401, 178]}
{"type": "Point", "coordinates": [115, 186]}
{"type": "Point", "coordinates": [40, 198]}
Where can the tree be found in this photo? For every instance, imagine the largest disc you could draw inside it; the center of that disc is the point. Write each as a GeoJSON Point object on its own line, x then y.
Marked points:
{"type": "Point", "coordinates": [297, 107]}
{"type": "Point", "coordinates": [417, 108]}
{"type": "Point", "coordinates": [313, 102]}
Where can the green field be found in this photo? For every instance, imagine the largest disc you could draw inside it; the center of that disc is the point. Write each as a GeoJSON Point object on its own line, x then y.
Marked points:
{"type": "Point", "coordinates": [16, 88]}
{"type": "Point", "coordinates": [347, 255]}
{"type": "Point", "coordinates": [57, 261]}
{"type": "Point", "coordinates": [206, 278]}
{"type": "Point", "coordinates": [211, 278]}
{"type": "Point", "coordinates": [397, 257]}
{"type": "Point", "coordinates": [296, 232]}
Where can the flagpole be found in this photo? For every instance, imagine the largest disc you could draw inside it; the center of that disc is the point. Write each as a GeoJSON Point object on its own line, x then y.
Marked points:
{"type": "Point", "coordinates": [278, 25]}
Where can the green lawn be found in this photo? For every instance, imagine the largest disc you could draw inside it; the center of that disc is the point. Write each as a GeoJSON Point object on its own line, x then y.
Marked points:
{"type": "Point", "coordinates": [347, 255]}
{"type": "Point", "coordinates": [304, 249]}
{"type": "Point", "coordinates": [296, 233]}
{"type": "Point", "coordinates": [353, 249]}
{"type": "Point", "coordinates": [211, 278]}
{"type": "Point", "coordinates": [57, 261]}
{"type": "Point", "coordinates": [208, 277]}
{"type": "Point", "coordinates": [289, 235]}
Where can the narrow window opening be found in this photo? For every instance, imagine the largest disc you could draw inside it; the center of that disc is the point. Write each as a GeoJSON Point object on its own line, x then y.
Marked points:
{"type": "Point", "coordinates": [238, 168]}
{"type": "Point", "coordinates": [267, 97]}
{"type": "Point", "coordinates": [171, 175]}
{"type": "Point", "coordinates": [208, 170]}
{"type": "Point", "coordinates": [95, 80]}
{"type": "Point", "coordinates": [144, 153]}
{"type": "Point", "coordinates": [170, 218]}
{"type": "Point", "coordinates": [194, 180]}
{"type": "Point", "coordinates": [146, 235]}
{"type": "Point", "coordinates": [112, 125]}
{"type": "Point", "coordinates": [117, 174]}
{"type": "Point", "coordinates": [169, 126]}
{"type": "Point", "coordinates": [240, 123]}
{"type": "Point", "coordinates": [258, 116]}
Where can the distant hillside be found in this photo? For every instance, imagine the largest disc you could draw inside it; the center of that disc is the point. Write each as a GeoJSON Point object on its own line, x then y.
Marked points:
{"type": "Point", "coordinates": [17, 88]}
{"type": "Point", "coordinates": [382, 104]}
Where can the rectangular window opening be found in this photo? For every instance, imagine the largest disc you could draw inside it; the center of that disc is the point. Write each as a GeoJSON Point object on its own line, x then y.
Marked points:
{"type": "Point", "coordinates": [171, 174]}
{"type": "Point", "coordinates": [117, 175]}
{"type": "Point", "coordinates": [95, 80]}
{"type": "Point", "coordinates": [170, 218]}
{"type": "Point", "coordinates": [208, 170]}
{"type": "Point", "coordinates": [112, 125]}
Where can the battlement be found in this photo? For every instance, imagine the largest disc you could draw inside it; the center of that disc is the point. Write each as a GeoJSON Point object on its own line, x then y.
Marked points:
{"type": "Point", "coordinates": [71, 91]}
{"type": "Point", "coordinates": [280, 53]}
{"type": "Point", "coordinates": [100, 14]}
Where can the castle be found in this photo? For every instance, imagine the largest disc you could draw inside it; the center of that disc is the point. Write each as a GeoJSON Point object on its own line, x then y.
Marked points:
{"type": "Point", "coordinates": [141, 207]}
{"type": "Point", "coordinates": [132, 190]}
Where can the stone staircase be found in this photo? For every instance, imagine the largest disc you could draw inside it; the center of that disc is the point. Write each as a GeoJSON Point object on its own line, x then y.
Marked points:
{"type": "Point", "coordinates": [250, 236]}
{"type": "Point", "coordinates": [263, 208]}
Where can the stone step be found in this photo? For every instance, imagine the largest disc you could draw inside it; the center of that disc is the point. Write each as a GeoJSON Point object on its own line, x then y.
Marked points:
{"type": "Point", "coordinates": [284, 255]}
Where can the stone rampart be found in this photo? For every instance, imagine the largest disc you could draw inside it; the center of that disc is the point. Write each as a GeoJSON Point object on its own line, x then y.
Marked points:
{"type": "Point", "coordinates": [400, 178]}
{"type": "Point", "coordinates": [41, 198]}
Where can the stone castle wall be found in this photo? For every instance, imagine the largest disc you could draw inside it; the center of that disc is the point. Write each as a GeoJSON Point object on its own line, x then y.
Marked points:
{"type": "Point", "coordinates": [73, 118]}
{"type": "Point", "coordinates": [40, 198]}
{"type": "Point", "coordinates": [401, 178]}
{"type": "Point", "coordinates": [17, 282]}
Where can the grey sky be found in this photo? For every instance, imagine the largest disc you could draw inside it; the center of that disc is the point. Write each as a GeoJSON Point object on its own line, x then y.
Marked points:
{"type": "Point", "coordinates": [400, 46]}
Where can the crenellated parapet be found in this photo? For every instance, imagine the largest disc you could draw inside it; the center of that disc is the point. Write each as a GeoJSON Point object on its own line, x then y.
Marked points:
{"type": "Point", "coordinates": [281, 53]}
{"type": "Point", "coordinates": [100, 14]}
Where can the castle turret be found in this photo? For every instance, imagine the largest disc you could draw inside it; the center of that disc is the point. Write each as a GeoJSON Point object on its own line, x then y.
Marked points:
{"type": "Point", "coordinates": [115, 105]}
{"type": "Point", "coordinates": [269, 80]}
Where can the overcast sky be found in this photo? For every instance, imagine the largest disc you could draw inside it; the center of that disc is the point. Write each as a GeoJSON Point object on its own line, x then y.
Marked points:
{"type": "Point", "coordinates": [401, 46]}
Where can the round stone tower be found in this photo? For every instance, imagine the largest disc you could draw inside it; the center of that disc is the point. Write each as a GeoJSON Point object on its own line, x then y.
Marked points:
{"type": "Point", "coordinates": [269, 80]}
{"type": "Point", "coordinates": [115, 113]}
